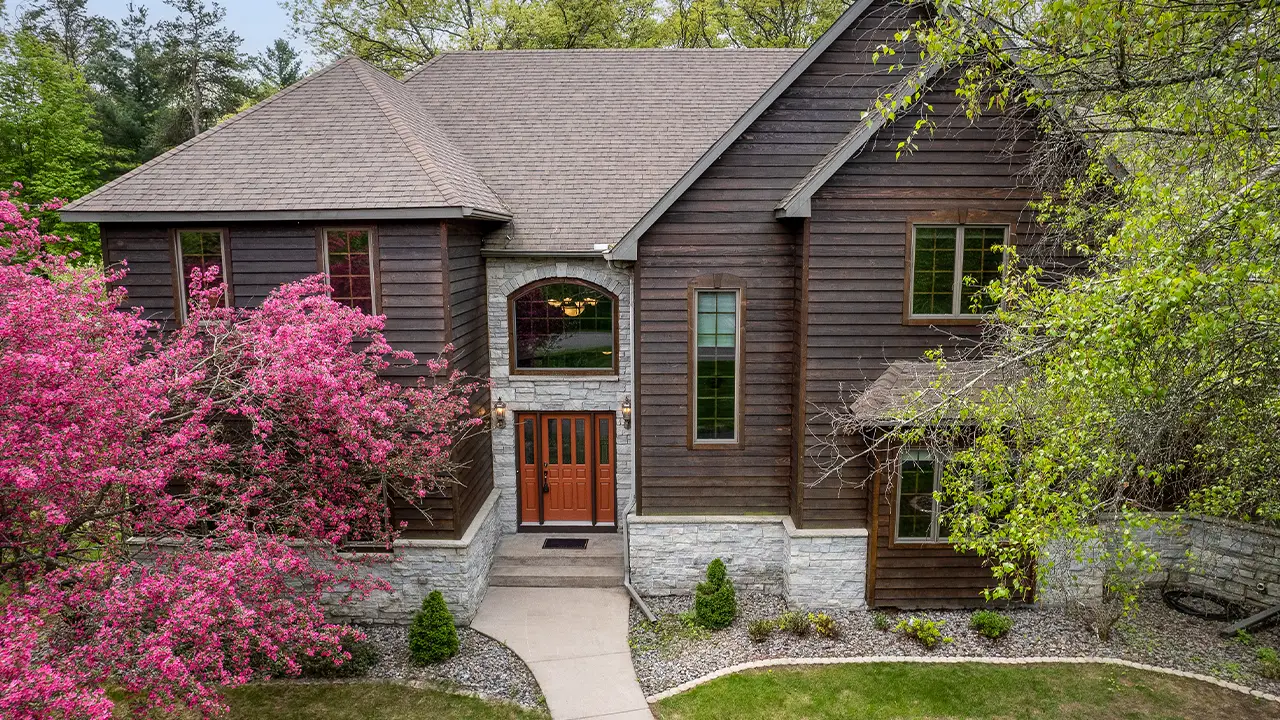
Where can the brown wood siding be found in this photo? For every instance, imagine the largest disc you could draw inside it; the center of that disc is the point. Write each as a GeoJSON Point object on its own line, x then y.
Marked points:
{"type": "Point", "coordinates": [857, 268]}
{"type": "Point", "coordinates": [469, 333]}
{"type": "Point", "coordinates": [266, 255]}
{"type": "Point", "coordinates": [919, 576]}
{"type": "Point", "coordinates": [149, 254]}
{"type": "Point", "coordinates": [725, 223]}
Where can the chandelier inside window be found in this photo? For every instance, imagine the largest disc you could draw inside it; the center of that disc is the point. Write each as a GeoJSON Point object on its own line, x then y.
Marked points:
{"type": "Point", "coordinates": [572, 307]}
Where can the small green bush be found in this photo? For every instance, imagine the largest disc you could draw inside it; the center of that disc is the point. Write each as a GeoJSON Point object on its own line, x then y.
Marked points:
{"type": "Point", "coordinates": [991, 624]}
{"type": "Point", "coordinates": [364, 656]}
{"type": "Point", "coordinates": [794, 623]}
{"type": "Point", "coordinates": [1268, 663]}
{"type": "Point", "coordinates": [715, 604]}
{"type": "Point", "coordinates": [760, 630]}
{"type": "Point", "coordinates": [926, 632]}
{"type": "Point", "coordinates": [433, 638]}
{"type": "Point", "coordinates": [824, 624]}
{"type": "Point", "coordinates": [880, 621]}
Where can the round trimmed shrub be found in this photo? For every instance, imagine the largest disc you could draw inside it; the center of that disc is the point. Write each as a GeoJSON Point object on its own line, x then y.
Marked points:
{"type": "Point", "coordinates": [364, 656]}
{"type": "Point", "coordinates": [715, 604]}
{"type": "Point", "coordinates": [433, 638]}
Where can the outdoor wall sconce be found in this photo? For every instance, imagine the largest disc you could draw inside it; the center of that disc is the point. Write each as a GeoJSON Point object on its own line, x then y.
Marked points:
{"type": "Point", "coordinates": [626, 411]}
{"type": "Point", "coordinates": [500, 414]}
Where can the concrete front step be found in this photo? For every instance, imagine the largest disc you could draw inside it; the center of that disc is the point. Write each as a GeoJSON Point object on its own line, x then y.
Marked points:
{"type": "Point", "coordinates": [526, 550]}
{"type": "Point", "coordinates": [562, 576]}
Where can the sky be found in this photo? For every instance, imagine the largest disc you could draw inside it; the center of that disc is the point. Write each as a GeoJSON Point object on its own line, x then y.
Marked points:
{"type": "Point", "coordinates": [257, 22]}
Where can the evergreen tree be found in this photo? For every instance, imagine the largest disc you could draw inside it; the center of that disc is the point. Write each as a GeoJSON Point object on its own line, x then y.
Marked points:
{"type": "Point", "coordinates": [202, 68]}
{"type": "Point", "coordinates": [67, 27]}
{"type": "Point", "coordinates": [278, 67]}
{"type": "Point", "coordinates": [129, 90]}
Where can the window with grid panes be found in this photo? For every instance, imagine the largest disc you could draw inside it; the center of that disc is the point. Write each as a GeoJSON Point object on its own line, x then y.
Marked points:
{"type": "Point", "coordinates": [198, 249]}
{"type": "Point", "coordinates": [716, 357]}
{"type": "Point", "coordinates": [952, 265]}
{"type": "Point", "coordinates": [349, 264]}
{"type": "Point", "coordinates": [563, 326]}
{"type": "Point", "coordinates": [919, 514]}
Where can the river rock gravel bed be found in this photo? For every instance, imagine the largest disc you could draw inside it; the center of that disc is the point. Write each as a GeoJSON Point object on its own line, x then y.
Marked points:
{"type": "Point", "coordinates": [674, 653]}
{"type": "Point", "coordinates": [483, 666]}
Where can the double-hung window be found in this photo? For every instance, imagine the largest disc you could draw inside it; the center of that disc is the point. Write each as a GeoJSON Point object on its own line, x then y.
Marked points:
{"type": "Point", "coordinates": [951, 267]}
{"type": "Point", "coordinates": [717, 366]}
{"type": "Point", "coordinates": [348, 256]}
{"type": "Point", "coordinates": [198, 250]}
{"type": "Point", "coordinates": [919, 514]}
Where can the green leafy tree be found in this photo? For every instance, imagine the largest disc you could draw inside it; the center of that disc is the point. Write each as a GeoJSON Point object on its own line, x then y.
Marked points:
{"type": "Point", "coordinates": [47, 137]}
{"type": "Point", "coordinates": [1148, 380]}
{"type": "Point", "coordinates": [67, 27]}
{"type": "Point", "coordinates": [202, 68]}
{"type": "Point", "coordinates": [778, 23]}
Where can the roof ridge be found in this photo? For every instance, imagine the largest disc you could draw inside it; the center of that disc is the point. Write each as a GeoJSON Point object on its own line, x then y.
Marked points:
{"type": "Point", "coordinates": [164, 156]}
{"type": "Point", "coordinates": [410, 139]}
{"type": "Point", "coordinates": [410, 75]}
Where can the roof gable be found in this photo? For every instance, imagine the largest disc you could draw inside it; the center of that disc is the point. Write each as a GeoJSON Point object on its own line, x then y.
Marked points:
{"type": "Point", "coordinates": [626, 248]}
{"type": "Point", "coordinates": [342, 143]}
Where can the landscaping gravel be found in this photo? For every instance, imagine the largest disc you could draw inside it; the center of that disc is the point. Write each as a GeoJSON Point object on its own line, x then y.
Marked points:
{"type": "Point", "coordinates": [483, 666]}
{"type": "Point", "coordinates": [674, 652]}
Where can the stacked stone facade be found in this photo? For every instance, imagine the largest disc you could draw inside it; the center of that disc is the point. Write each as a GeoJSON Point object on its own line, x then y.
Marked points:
{"type": "Point", "coordinates": [459, 569]}
{"type": "Point", "coordinates": [545, 393]}
{"type": "Point", "coordinates": [813, 569]}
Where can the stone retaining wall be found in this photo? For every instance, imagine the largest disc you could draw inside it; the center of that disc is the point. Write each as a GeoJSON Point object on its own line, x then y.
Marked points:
{"type": "Point", "coordinates": [459, 569]}
{"type": "Point", "coordinates": [813, 569]}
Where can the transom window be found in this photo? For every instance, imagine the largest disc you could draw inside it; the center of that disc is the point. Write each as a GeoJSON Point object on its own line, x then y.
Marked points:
{"type": "Point", "coordinates": [919, 514]}
{"type": "Point", "coordinates": [200, 249]}
{"type": "Point", "coordinates": [349, 263]}
{"type": "Point", "coordinates": [951, 268]}
{"type": "Point", "coordinates": [564, 326]}
{"type": "Point", "coordinates": [715, 406]}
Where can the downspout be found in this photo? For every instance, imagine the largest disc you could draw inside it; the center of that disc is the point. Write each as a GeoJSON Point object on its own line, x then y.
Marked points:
{"type": "Point", "coordinates": [635, 451]}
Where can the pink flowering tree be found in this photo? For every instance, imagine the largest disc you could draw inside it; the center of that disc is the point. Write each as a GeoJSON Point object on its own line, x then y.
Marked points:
{"type": "Point", "coordinates": [172, 509]}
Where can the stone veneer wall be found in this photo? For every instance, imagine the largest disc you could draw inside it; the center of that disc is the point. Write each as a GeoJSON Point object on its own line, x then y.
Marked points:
{"type": "Point", "coordinates": [459, 569]}
{"type": "Point", "coordinates": [1239, 561]}
{"type": "Point", "coordinates": [539, 393]}
{"type": "Point", "coordinates": [813, 569]}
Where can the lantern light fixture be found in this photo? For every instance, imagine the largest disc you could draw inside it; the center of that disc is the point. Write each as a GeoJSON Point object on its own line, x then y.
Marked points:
{"type": "Point", "coordinates": [626, 411]}
{"type": "Point", "coordinates": [500, 413]}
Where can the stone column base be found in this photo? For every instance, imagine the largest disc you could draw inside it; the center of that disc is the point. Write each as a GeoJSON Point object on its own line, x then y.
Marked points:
{"type": "Point", "coordinates": [813, 569]}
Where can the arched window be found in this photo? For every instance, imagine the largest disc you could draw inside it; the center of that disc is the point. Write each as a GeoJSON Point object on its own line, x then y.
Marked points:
{"type": "Point", "coordinates": [563, 325]}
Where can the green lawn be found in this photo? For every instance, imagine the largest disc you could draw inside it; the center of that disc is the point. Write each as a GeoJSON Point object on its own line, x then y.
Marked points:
{"type": "Point", "coordinates": [901, 691]}
{"type": "Point", "coordinates": [362, 701]}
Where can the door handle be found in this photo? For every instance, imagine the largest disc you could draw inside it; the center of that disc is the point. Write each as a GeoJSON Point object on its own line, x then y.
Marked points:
{"type": "Point", "coordinates": [545, 487]}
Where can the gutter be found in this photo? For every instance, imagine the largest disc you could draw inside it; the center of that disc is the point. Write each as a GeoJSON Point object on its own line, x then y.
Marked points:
{"type": "Point", "coordinates": [635, 451]}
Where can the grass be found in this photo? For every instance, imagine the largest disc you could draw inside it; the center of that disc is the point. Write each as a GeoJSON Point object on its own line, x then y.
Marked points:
{"type": "Point", "coordinates": [362, 701]}
{"type": "Point", "coordinates": [971, 691]}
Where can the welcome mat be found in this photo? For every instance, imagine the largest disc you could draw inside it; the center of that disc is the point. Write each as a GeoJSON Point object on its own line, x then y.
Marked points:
{"type": "Point", "coordinates": [564, 544]}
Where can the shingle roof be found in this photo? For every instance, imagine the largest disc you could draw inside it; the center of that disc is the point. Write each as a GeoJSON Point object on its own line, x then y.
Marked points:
{"type": "Point", "coordinates": [910, 387]}
{"type": "Point", "coordinates": [344, 139]}
{"type": "Point", "coordinates": [581, 143]}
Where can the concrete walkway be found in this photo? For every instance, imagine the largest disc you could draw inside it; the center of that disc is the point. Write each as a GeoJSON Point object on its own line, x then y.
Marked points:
{"type": "Point", "coordinates": [575, 642]}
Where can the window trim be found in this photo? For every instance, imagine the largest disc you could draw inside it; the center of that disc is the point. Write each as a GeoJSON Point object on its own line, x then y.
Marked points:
{"type": "Point", "coordinates": [558, 372]}
{"type": "Point", "coordinates": [939, 464]}
{"type": "Point", "coordinates": [375, 257]}
{"type": "Point", "coordinates": [178, 273]}
{"type": "Point", "coordinates": [958, 219]}
{"type": "Point", "coordinates": [716, 283]}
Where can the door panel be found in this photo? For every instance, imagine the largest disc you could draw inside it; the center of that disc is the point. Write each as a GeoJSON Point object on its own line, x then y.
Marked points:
{"type": "Point", "coordinates": [566, 467]}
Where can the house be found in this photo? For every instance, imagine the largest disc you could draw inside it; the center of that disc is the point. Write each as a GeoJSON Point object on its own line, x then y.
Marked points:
{"type": "Point", "coordinates": [667, 261]}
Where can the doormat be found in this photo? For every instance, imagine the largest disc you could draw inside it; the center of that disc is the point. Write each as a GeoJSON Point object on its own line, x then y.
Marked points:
{"type": "Point", "coordinates": [564, 544]}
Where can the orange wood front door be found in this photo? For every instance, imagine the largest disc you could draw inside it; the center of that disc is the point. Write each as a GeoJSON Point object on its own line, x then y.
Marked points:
{"type": "Point", "coordinates": [566, 463]}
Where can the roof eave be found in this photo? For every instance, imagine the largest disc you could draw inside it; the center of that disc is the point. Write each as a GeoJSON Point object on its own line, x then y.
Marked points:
{"type": "Point", "coordinates": [208, 216]}
{"type": "Point", "coordinates": [626, 248]}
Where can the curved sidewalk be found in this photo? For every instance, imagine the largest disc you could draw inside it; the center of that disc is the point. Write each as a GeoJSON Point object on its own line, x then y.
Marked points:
{"type": "Point", "coordinates": [575, 642]}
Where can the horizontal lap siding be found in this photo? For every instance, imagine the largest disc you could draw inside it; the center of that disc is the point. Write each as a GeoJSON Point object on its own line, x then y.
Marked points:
{"type": "Point", "coordinates": [725, 224]}
{"type": "Point", "coordinates": [266, 255]}
{"type": "Point", "coordinates": [469, 334]}
{"type": "Point", "coordinates": [149, 257]}
{"type": "Point", "coordinates": [857, 275]}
